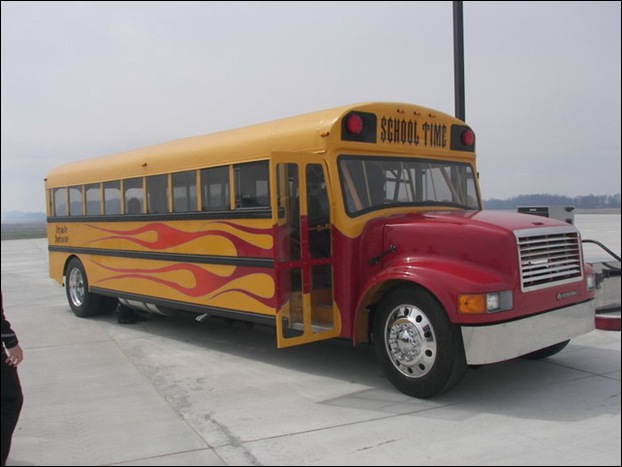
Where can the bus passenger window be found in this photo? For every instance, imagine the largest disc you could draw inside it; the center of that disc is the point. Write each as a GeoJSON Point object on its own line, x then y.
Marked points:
{"type": "Point", "coordinates": [75, 201]}
{"type": "Point", "coordinates": [133, 206]}
{"type": "Point", "coordinates": [251, 185]}
{"type": "Point", "coordinates": [157, 194]}
{"type": "Point", "coordinates": [215, 189]}
{"type": "Point", "coordinates": [93, 196]}
{"type": "Point", "coordinates": [112, 198]}
{"type": "Point", "coordinates": [184, 191]}
{"type": "Point", "coordinates": [133, 188]}
{"type": "Point", "coordinates": [60, 202]}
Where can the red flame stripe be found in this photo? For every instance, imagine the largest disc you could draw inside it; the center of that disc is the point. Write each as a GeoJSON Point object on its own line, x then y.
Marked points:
{"type": "Point", "coordinates": [167, 237]}
{"type": "Point", "coordinates": [206, 282]}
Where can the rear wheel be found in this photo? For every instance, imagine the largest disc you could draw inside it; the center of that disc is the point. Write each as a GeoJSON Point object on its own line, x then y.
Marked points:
{"type": "Point", "coordinates": [547, 351]}
{"type": "Point", "coordinates": [82, 302]}
{"type": "Point", "coordinates": [420, 351]}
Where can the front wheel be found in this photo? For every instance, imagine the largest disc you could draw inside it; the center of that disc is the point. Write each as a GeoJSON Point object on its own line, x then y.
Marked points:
{"type": "Point", "coordinates": [419, 349]}
{"type": "Point", "coordinates": [82, 302]}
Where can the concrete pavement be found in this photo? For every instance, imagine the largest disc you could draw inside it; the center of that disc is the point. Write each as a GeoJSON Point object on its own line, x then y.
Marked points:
{"type": "Point", "coordinates": [171, 391]}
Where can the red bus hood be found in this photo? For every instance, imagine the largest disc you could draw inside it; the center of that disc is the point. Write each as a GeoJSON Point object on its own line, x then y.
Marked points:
{"type": "Point", "coordinates": [485, 238]}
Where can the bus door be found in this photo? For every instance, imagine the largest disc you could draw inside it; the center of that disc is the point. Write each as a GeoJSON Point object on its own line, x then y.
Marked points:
{"type": "Point", "coordinates": [303, 250]}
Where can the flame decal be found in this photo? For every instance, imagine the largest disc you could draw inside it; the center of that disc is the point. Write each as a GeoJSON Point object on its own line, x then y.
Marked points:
{"type": "Point", "coordinates": [246, 238]}
{"type": "Point", "coordinates": [201, 283]}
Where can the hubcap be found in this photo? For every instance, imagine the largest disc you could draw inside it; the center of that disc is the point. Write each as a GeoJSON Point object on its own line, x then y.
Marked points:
{"type": "Point", "coordinates": [76, 287]}
{"type": "Point", "coordinates": [410, 341]}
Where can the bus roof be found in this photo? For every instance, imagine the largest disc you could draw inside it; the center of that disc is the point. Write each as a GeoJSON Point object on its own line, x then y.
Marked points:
{"type": "Point", "coordinates": [302, 133]}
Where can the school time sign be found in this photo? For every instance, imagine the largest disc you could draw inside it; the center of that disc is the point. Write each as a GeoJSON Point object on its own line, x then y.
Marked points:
{"type": "Point", "coordinates": [412, 132]}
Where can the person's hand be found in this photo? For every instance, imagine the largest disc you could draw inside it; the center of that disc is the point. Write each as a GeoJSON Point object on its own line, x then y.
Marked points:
{"type": "Point", "coordinates": [14, 356]}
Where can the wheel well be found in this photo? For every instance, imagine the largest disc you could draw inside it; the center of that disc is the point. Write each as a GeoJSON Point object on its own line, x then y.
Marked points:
{"type": "Point", "coordinates": [366, 310]}
{"type": "Point", "coordinates": [67, 261]}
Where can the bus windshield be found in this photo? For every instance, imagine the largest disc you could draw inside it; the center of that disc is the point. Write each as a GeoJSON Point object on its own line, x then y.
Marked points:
{"type": "Point", "coordinates": [369, 183]}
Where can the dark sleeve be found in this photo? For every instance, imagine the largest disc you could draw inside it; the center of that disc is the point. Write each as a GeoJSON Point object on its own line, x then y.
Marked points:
{"type": "Point", "coordinates": [9, 339]}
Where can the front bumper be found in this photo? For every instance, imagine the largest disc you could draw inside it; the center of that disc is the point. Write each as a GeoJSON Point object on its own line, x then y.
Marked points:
{"type": "Point", "coordinates": [499, 342]}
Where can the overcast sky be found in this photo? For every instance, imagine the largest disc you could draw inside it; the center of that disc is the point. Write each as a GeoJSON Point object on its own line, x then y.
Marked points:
{"type": "Point", "coordinates": [83, 79]}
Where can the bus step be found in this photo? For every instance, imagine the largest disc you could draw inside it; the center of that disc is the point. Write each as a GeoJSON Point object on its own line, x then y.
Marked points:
{"type": "Point", "coordinates": [314, 328]}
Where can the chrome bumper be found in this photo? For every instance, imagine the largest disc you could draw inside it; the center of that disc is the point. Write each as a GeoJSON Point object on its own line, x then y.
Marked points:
{"type": "Point", "coordinates": [498, 342]}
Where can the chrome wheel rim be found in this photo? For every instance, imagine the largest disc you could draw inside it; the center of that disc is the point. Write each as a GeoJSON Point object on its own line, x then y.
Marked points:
{"type": "Point", "coordinates": [76, 287]}
{"type": "Point", "coordinates": [410, 341]}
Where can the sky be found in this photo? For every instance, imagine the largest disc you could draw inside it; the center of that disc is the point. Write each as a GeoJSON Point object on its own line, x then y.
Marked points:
{"type": "Point", "coordinates": [84, 79]}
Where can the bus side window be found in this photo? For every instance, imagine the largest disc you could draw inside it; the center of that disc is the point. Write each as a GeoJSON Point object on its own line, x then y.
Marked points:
{"type": "Point", "coordinates": [157, 194]}
{"type": "Point", "coordinates": [60, 202]}
{"type": "Point", "coordinates": [132, 188]}
{"type": "Point", "coordinates": [93, 195]}
{"type": "Point", "coordinates": [133, 206]}
{"type": "Point", "coordinates": [75, 201]}
{"type": "Point", "coordinates": [184, 191]}
{"type": "Point", "coordinates": [215, 189]}
{"type": "Point", "coordinates": [251, 185]}
{"type": "Point", "coordinates": [112, 198]}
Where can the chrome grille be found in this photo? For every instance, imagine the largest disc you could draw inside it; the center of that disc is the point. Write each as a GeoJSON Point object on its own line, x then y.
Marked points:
{"type": "Point", "coordinates": [549, 257]}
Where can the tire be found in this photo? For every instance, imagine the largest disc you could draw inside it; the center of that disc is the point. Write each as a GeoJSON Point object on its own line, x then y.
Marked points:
{"type": "Point", "coordinates": [427, 358]}
{"type": "Point", "coordinates": [109, 304]}
{"type": "Point", "coordinates": [547, 351]}
{"type": "Point", "coordinates": [82, 302]}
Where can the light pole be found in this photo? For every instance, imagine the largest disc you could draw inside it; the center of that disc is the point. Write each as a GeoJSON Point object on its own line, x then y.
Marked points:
{"type": "Point", "coordinates": [458, 61]}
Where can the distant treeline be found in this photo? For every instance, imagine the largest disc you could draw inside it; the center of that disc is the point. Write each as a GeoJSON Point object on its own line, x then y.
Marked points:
{"type": "Point", "coordinates": [579, 202]}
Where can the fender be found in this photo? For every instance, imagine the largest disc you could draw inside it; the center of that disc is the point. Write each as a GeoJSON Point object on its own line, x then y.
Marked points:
{"type": "Point", "coordinates": [443, 278]}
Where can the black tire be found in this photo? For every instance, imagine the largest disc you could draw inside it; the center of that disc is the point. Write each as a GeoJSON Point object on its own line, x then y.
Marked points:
{"type": "Point", "coordinates": [547, 351]}
{"type": "Point", "coordinates": [82, 302]}
{"type": "Point", "coordinates": [427, 358]}
{"type": "Point", "coordinates": [109, 304]}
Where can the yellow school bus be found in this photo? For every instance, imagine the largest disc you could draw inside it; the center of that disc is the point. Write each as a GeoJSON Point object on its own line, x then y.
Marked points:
{"type": "Point", "coordinates": [362, 222]}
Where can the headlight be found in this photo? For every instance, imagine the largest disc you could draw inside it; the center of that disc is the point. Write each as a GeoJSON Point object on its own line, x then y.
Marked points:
{"type": "Point", "coordinates": [485, 303]}
{"type": "Point", "coordinates": [591, 282]}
